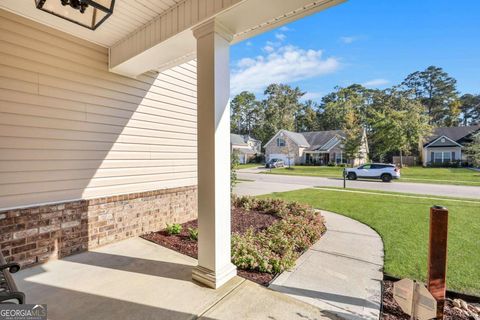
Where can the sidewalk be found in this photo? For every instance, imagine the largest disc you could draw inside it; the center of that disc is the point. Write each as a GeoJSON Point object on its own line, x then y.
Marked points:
{"type": "Point", "coordinates": [341, 273]}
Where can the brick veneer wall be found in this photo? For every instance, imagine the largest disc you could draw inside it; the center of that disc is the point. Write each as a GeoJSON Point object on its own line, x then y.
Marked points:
{"type": "Point", "coordinates": [290, 148]}
{"type": "Point", "coordinates": [36, 234]}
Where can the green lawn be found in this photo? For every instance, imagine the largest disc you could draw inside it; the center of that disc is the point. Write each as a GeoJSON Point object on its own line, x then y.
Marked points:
{"type": "Point", "coordinates": [314, 171]}
{"type": "Point", "coordinates": [455, 176]}
{"type": "Point", "coordinates": [402, 222]}
{"type": "Point", "coordinates": [249, 165]}
{"type": "Point", "coordinates": [459, 176]}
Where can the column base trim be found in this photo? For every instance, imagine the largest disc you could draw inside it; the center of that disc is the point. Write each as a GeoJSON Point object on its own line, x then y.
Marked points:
{"type": "Point", "coordinates": [214, 279]}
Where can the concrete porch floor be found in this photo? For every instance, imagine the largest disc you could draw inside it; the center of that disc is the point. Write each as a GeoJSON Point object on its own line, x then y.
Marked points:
{"type": "Point", "coordinates": [136, 279]}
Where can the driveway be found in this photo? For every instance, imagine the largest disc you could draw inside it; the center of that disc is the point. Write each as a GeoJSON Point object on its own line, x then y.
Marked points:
{"type": "Point", "coordinates": [268, 183]}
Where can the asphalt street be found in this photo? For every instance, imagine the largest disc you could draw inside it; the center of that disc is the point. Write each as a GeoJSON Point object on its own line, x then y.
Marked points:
{"type": "Point", "coordinates": [268, 183]}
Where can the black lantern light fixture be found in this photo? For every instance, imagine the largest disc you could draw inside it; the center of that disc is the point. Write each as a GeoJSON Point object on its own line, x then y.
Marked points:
{"type": "Point", "coordinates": [87, 13]}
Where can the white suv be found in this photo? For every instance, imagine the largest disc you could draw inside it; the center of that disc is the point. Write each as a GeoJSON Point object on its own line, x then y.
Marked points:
{"type": "Point", "coordinates": [386, 172]}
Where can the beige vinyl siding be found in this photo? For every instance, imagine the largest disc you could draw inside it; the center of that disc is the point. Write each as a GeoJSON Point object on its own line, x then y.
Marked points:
{"type": "Point", "coordinates": [69, 129]}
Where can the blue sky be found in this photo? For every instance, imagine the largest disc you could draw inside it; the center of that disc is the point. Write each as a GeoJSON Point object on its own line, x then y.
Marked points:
{"type": "Point", "coordinates": [376, 43]}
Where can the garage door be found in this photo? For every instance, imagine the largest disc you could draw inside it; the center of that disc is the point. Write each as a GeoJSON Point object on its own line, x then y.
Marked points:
{"type": "Point", "coordinates": [241, 158]}
{"type": "Point", "coordinates": [283, 157]}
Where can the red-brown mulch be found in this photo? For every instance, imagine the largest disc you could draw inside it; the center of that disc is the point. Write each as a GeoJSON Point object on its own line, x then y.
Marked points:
{"type": "Point", "coordinates": [392, 311]}
{"type": "Point", "coordinates": [241, 221]}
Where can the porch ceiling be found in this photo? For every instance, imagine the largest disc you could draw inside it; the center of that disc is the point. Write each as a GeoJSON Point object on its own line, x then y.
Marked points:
{"type": "Point", "coordinates": [153, 46]}
{"type": "Point", "coordinates": [145, 35]}
{"type": "Point", "coordinates": [128, 16]}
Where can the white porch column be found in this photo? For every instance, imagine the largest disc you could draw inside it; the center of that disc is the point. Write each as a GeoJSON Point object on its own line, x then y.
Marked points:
{"type": "Point", "coordinates": [213, 93]}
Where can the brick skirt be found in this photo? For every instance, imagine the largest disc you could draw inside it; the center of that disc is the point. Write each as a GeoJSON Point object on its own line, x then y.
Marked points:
{"type": "Point", "coordinates": [36, 234]}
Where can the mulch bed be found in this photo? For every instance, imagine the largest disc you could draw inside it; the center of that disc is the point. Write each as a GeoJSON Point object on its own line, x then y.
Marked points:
{"type": "Point", "coordinates": [241, 221]}
{"type": "Point", "coordinates": [392, 311]}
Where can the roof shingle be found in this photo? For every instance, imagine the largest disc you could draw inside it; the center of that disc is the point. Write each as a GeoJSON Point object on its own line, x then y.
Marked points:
{"type": "Point", "coordinates": [317, 139]}
{"type": "Point", "coordinates": [454, 133]}
{"type": "Point", "coordinates": [237, 139]}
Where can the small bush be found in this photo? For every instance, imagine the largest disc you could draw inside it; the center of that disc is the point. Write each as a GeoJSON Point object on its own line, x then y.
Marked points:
{"type": "Point", "coordinates": [259, 158]}
{"type": "Point", "coordinates": [193, 234]}
{"type": "Point", "coordinates": [254, 251]}
{"type": "Point", "coordinates": [173, 229]}
{"type": "Point", "coordinates": [276, 207]}
{"type": "Point", "coordinates": [276, 248]}
{"type": "Point", "coordinates": [450, 164]}
{"type": "Point", "coordinates": [234, 163]}
{"type": "Point", "coordinates": [246, 203]}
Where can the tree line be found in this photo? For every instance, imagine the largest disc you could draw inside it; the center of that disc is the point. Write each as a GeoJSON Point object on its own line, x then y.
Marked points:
{"type": "Point", "coordinates": [395, 119]}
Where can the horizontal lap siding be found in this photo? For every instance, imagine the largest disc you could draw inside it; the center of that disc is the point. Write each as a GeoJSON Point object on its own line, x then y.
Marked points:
{"type": "Point", "coordinates": [69, 129]}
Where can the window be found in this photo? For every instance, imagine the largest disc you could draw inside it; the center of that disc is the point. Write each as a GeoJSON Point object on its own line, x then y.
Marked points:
{"type": "Point", "coordinates": [443, 156]}
{"type": "Point", "coordinates": [338, 157]}
{"type": "Point", "coordinates": [446, 156]}
{"type": "Point", "coordinates": [280, 142]}
{"type": "Point", "coordinates": [365, 166]}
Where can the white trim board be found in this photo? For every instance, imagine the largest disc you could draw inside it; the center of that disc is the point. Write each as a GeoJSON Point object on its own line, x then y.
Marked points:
{"type": "Point", "coordinates": [443, 136]}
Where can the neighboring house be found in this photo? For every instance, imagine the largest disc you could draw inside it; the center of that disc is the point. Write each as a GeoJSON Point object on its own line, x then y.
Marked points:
{"type": "Point", "coordinates": [246, 146]}
{"type": "Point", "coordinates": [314, 148]}
{"type": "Point", "coordinates": [446, 145]}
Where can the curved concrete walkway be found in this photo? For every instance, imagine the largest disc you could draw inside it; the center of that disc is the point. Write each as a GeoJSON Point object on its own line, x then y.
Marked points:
{"type": "Point", "coordinates": [342, 273]}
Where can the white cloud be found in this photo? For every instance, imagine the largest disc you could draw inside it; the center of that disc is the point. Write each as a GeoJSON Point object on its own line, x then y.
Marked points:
{"type": "Point", "coordinates": [375, 83]}
{"type": "Point", "coordinates": [347, 40]}
{"type": "Point", "coordinates": [248, 43]}
{"type": "Point", "coordinates": [271, 45]}
{"type": "Point", "coordinates": [245, 62]}
{"type": "Point", "coordinates": [312, 96]}
{"type": "Point", "coordinates": [268, 49]}
{"type": "Point", "coordinates": [285, 29]}
{"type": "Point", "coordinates": [285, 64]}
{"type": "Point", "coordinates": [280, 36]}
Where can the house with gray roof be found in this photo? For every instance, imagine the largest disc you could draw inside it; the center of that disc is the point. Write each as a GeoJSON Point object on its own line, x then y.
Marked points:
{"type": "Point", "coordinates": [446, 145]}
{"type": "Point", "coordinates": [245, 146]}
{"type": "Point", "coordinates": [313, 148]}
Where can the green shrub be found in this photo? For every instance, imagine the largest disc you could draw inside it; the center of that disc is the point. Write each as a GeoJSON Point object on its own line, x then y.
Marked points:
{"type": "Point", "coordinates": [276, 207]}
{"type": "Point", "coordinates": [234, 163]}
{"type": "Point", "coordinates": [276, 248]}
{"type": "Point", "coordinates": [174, 228]}
{"type": "Point", "coordinates": [254, 251]}
{"type": "Point", "coordinates": [247, 203]}
{"type": "Point", "coordinates": [193, 234]}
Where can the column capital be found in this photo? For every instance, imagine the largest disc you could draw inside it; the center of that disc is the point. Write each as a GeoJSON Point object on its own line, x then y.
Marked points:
{"type": "Point", "coordinates": [212, 26]}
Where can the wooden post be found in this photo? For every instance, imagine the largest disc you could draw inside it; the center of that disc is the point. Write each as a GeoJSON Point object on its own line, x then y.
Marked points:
{"type": "Point", "coordinates": [437, 256]}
